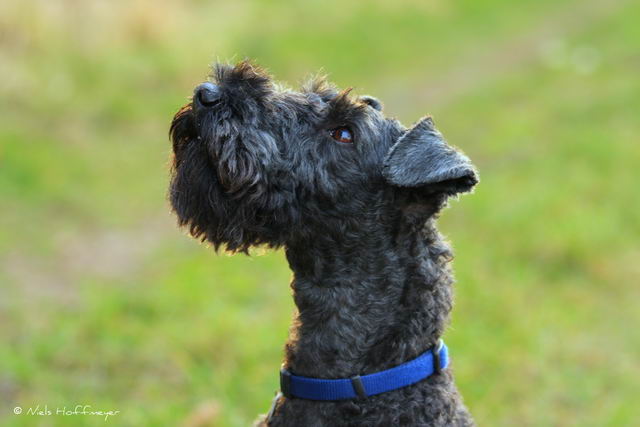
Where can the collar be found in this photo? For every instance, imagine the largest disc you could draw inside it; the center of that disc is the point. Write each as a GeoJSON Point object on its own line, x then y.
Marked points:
{"type": "Point", "coordinates": [428, 363]}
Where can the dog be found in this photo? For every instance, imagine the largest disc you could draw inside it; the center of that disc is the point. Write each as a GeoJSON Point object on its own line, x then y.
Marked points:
{"type": "Point", "coordinates": [352, 196]}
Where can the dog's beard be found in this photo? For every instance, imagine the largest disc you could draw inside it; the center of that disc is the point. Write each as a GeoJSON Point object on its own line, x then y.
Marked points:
{"type": "Point", "coordinates": [236, 165]}
{"type": "Point", "coordinates": [237, 169]}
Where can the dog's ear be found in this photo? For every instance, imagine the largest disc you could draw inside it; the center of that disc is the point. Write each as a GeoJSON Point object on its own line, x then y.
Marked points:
{"type": "Point", "coordinates": [421, 158]}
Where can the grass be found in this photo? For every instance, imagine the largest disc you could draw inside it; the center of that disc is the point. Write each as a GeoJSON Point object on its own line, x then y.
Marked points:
{"type": "Point", "coordinates": [104, 302]}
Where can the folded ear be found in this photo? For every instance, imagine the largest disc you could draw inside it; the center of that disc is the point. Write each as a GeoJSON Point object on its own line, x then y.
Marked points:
{"type": "Point", "coordinates": [421, 158]}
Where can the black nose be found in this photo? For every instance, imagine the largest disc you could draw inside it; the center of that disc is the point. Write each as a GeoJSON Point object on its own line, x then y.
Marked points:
{"type": "Point", "coordinates": [206, 95]}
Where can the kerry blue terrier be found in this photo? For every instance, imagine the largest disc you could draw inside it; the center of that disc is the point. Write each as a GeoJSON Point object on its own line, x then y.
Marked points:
{"type": "Point", "coordinates": [353, 197]}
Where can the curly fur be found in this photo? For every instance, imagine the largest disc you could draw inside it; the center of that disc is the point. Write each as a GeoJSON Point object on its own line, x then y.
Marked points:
{"type": "Point", "coordinates": [371, 282]}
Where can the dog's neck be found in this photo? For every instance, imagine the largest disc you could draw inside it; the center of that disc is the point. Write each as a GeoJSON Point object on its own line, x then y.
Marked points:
{"type": "Point", "coordinates": [370, 299]}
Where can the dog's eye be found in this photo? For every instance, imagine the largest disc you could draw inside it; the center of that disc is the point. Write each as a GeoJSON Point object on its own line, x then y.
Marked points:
{"type": "Point", "coordinates": [342, 134]}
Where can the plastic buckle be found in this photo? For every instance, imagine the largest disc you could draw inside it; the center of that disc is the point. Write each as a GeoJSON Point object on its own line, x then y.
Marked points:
{"type": "Point", "coordinates": [285, 383]}
{"type": "Point", "coordinates": [358, 387]}
{"type": "Point", "coordinates": [435, 351]}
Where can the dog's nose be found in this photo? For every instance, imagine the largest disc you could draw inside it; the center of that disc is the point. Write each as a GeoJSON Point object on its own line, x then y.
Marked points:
{"type": "Point", "coordinates": [207, 94]}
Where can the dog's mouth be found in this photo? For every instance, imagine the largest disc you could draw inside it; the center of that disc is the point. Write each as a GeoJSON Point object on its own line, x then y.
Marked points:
{"type": "Point", "coordinates": [190, 124]}
{"type": "Point", "coordinates": [183, 130]}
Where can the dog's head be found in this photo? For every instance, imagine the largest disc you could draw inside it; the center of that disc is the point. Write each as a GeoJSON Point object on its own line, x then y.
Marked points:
{"type": "Point", "coordinates": [258, 164]}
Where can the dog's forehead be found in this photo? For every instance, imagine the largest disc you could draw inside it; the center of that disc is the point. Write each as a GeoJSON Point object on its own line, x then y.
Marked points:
{"type": "Point", "coordinates": [320, 86]}
{"type": "Point", "coordinates": [323, 105]}
{"type": "Point", "coordinates": [319, 89]}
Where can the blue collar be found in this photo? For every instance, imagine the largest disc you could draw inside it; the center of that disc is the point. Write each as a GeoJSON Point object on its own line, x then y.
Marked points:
{"type": "Point", "coordinates": [428, 363]}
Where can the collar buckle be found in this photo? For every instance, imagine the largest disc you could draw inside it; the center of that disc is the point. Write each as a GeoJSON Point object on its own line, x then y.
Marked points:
{"type": "Point", "coordinates": [285, 382]}
{"type": "Point", "coordinates": [437, 360]}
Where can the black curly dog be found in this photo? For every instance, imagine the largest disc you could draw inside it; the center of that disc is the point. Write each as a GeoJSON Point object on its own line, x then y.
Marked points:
{"type": "Point", "coordinates": [353, 197]}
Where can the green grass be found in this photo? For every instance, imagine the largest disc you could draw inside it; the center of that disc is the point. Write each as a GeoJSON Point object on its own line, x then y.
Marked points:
{"type": "Point", "coordinates": [104, 302]}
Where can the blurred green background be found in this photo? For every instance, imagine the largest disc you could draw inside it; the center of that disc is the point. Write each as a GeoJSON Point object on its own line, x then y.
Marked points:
{"type": "Point", "coordinates": [103, 301]}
